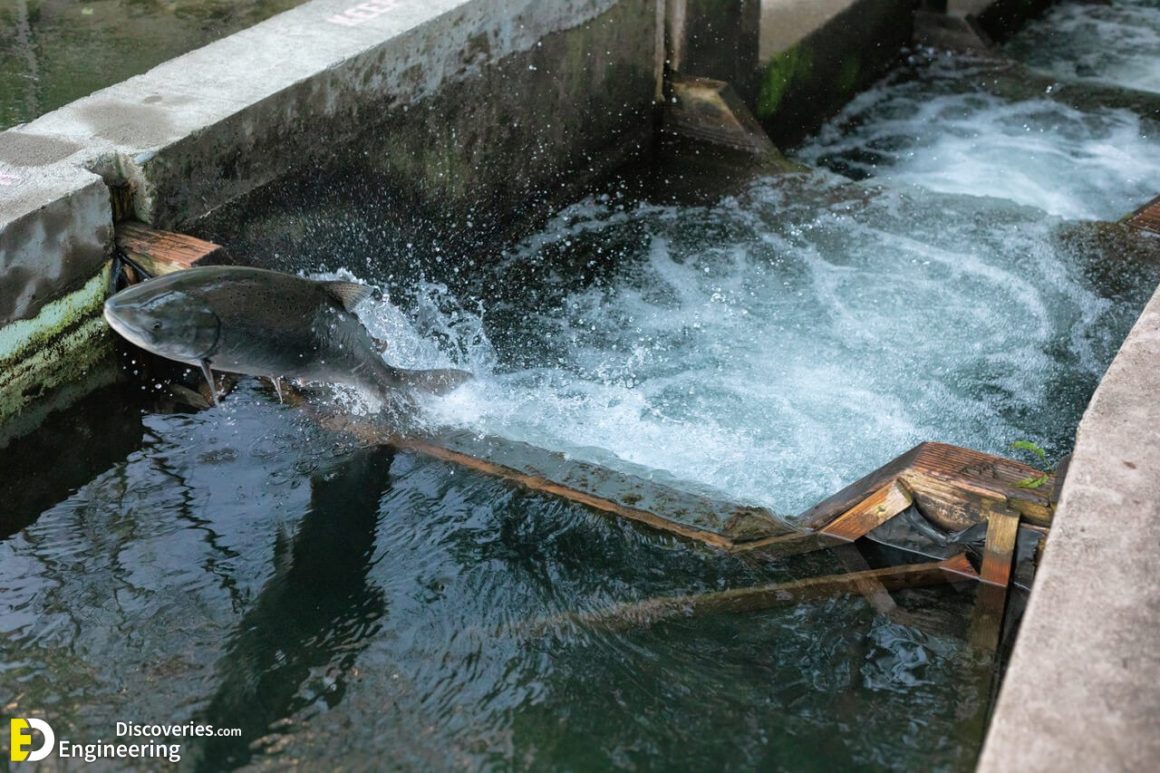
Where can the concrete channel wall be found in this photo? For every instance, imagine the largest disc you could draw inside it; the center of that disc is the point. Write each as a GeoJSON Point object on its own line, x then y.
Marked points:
{"type": "Point", "coordinates": [1081, 691]}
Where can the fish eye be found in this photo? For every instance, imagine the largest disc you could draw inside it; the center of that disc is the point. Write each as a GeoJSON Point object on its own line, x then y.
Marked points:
{"type": "Point", "coordinates": [157, 325]}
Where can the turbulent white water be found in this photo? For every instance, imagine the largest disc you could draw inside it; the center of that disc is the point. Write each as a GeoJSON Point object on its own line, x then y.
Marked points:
{"type": "Point", "coordinates": [938, 128]}
{"type": "Point", "coordinates": [1115, 44]}
{"type": "Point", "coordinates": [783, 342]}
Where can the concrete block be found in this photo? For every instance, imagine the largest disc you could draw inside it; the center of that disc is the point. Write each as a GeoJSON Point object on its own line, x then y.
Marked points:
{"type": "Point", "coordinates": [209, 126]}
{"type": "Point", "coordinates": [55, 225]}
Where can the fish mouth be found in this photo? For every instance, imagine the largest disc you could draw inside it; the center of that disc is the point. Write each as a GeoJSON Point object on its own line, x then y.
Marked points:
{"type": "Point", "coordinates": [123, 325]}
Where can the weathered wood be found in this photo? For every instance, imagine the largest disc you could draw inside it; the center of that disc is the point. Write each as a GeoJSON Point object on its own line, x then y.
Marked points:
{"type": "Point", "coordinates": [872, 512]}
{"type": "Point", "coordinates": [1147, 217]}
{"type": "Point", "coordinates": [854, 523]}
{"type": "Point", "coordinates": [949, 485]}
{"type": "Point", "coordinates": [833, 506]}
{"type": "Point", "coordinates": [758, 598]}
{"type": "Point", "coordinates": [999, 549]}
{"type": "Point", "coordinates": [163, 252]}
{"type": "Point", "coordinates": [871, 588]}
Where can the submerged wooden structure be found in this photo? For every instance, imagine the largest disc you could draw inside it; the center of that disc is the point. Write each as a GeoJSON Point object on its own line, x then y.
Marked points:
{"type": "Point", "coordinates": [954, 490]}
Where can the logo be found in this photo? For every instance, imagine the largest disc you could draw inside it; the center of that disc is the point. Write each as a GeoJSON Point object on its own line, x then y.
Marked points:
{"type": "Point", "coordinates": [22, 739]}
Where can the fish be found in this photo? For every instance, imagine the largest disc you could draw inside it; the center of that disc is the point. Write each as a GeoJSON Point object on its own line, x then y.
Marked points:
{"type": "Point", "coordinates": [259, 322]}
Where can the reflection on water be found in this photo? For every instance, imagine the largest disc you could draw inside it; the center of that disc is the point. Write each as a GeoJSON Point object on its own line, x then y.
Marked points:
{"type": "Point", "coordinates": [245, 569]}
{"type": "Point", "coordinates": [313, 616]}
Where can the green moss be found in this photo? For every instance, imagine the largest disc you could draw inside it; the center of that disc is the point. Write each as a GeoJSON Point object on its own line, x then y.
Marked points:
{"type": "Point", "coordinates": [791, 66]}
{"type": "Point", "coordinates": [57, 347]}
{"type": "Point", "coordinates": [847, 80]}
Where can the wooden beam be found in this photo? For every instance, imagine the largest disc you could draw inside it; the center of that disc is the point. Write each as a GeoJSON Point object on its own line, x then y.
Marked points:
{"type": "Point", "coordinates": [758, 598]}
{"type": "Point", "coordinates": [852, 524]}
{"type": "Point", "coordinates": [1147, 217]}
{"type": "Point", "coordinates": [986, 627]}
{"type": "Point", "coordinates": [163, 252]}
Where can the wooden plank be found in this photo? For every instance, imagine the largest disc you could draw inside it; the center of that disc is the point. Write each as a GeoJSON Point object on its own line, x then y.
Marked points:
{"type": "Point", "coordinates": [856, 522]}
{"type": "Point", "coordinates": [994, 577]}
{"type": "Point", "coordinates": [762, 597]}
{"type": "Point", "coordinates": [950, 486]}
{"type": "Point", "coordinates": [999, 549]}
{"type": "Point", "coordinates": [830, 508]}
{"type": "Point", "coordinates": [1147, 217]}
{"type": "Point", "coordinates": [163, 252]}
{"type": "Point", "coordinates": [870, 513]}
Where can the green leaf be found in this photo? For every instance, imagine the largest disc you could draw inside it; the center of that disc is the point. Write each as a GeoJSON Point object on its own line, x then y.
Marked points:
{"type": "Point", "coordinates": [1027, 445]}
{"type": "Point", "coordinates": [1033, 481]}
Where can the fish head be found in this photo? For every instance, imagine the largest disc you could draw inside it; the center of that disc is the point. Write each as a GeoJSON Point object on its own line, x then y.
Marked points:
{"type": "Point", "coordinates": [165, 321]}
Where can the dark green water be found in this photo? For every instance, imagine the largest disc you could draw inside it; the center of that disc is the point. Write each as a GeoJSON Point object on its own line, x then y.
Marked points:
{"type": "Point", "coordinates": [240, 567]}
{"type": "Point", "coordinates": [55, 51]}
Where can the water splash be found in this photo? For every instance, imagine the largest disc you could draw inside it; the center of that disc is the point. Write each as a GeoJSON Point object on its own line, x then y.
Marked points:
{"type": "Point", "coordinates": [935, 124]}
{"type": "Point", "coordinates": [1114, 44]}
{"type": "Point", "coordinates": [781, 343]}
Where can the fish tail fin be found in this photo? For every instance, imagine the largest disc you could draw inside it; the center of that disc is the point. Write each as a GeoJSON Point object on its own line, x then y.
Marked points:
{"type": "Point", "coordinates": [438, 381]}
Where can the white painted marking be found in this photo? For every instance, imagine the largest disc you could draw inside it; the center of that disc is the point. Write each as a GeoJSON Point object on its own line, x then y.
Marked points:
{"type": "Point", "coordinates": [363, 12]}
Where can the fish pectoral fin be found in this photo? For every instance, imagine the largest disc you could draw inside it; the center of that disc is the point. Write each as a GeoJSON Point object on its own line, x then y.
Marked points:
{"type": "Point", "coordinates": [438, 381]}
{"type": "Point", "coordinates": [277, 381]}
{"type": "Point", "coordinates": [209, 377]}
{"type": "Point", "coordinates": [349, 294]}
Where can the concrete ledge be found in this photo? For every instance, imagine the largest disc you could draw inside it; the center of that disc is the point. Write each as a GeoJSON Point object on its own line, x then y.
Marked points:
{"type": "Point", "coordinates": [56, 226]}
{"type": "Point", "coordinates": [209, 126]}
{"type": "Point", "coordinates": [1081, 689]}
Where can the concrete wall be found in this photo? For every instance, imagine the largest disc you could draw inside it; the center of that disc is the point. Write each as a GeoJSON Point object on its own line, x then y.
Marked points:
{"type": "Point", "coordinates": [1081, 691]}
{"type": "Point", "coordinates": [821, 54]}
{"type": "Point", "coordinates": [476, 104]}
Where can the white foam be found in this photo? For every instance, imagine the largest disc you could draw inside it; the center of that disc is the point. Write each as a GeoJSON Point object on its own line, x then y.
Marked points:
{"type": "Point", "coordinates": [942, 131]}
{"type": "Point", "coordinates": [836, 327]}
{"type": "Point", "coordinates": [1115, 44]}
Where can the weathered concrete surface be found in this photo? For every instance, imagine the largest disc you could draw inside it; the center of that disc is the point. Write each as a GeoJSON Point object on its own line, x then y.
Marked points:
{"type": "Point", "coordinates": [65, 344]}
{"type": "Point", "coordinates": [1081, 691]}
{"type": "Point", "coordinates": [848, 46]}
{"type": "Point", "coordinates": [209, 126]}
{"type": "Point", "coordinates": [55, 225]}
{"type": "Point", "coordinates": [785, 23]}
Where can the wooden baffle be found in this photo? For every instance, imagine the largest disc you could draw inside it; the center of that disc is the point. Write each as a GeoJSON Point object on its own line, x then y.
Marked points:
{"type": "Point", "coordinates": [1147, 217]}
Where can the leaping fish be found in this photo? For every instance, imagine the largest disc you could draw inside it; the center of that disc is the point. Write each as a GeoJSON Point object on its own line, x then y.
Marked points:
{"type": "Point", "coordinates": [263, 323]}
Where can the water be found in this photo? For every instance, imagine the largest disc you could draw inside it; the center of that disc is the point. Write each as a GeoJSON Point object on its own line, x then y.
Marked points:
{"type": "Point", "coordinates": [245, 567]}
{"type": "Point", "coordinates": [1114, 44]}
{"type": "Point", "coordinates": [938, 124]}
{"type": "Point", "coordinates": [784, 342]}
{"type": "Point", "coordinates": [242, 568]}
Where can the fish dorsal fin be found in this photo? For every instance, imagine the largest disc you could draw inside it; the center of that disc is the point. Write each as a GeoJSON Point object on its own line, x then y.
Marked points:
{"type": "Point", "coordinates": [349, 294]}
